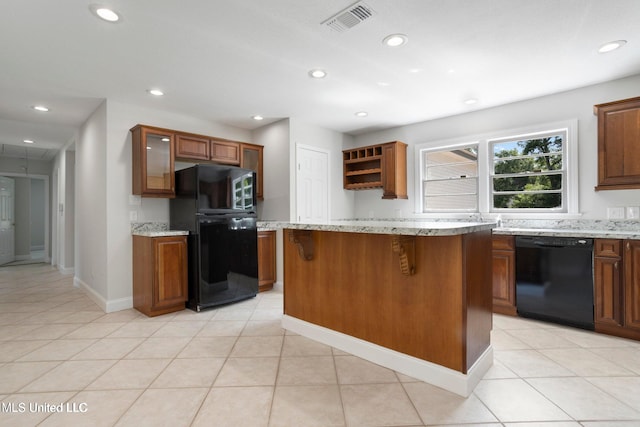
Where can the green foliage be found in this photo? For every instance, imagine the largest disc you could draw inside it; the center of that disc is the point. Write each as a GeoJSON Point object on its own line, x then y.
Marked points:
{"type": "Point", "coordinates": [514, 163]}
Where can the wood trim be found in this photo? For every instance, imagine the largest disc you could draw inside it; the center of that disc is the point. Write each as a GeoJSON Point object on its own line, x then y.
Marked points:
{"type": "Point", "coordinates": [304, 241]}
{"type": "Point", "coordinates": [405, 247]}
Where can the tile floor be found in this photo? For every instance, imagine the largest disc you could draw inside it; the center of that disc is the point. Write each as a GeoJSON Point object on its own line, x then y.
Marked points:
{"type": "Point", "coordinates": [235, 366]}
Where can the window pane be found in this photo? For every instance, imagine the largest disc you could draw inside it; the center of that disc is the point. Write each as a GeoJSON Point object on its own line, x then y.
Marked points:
{"type": "Point", "coordinates": [451, 186]}
{"type": "Point", "coordinates": [522, 166]}
{"type": "Point", "coordinates": [450, 179]}
{"type": "Point", "coordinates": [528, 164]}
{"type": "Point", "coordinates": [461, 202]}
{"type": "Point", "coordinates": [521, 201]}
{"type": "Point", "coordinates": [528, 183]}
{"type": "Point", "coordinates": [545, 145]}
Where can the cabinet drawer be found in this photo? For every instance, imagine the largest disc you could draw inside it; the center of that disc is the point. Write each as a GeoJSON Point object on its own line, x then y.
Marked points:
{"type": "Point", "coordinates": [608, 248]}
{"type": "Point", "coordinates": [505, 243]}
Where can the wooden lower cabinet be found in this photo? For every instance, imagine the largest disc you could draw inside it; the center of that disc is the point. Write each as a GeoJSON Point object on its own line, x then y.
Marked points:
{"type": "Point", "coordinates": [607, 269]}
{"type": "Point", "coordinates": [504, 276]}
{"type": "Point", "coordinates": [632, 286]}
{"type": "Point", "coordinates": [266, 260]}
{"type": "Point", "coordinates": [617, 287]}
{"type": "Point", "coordinates": [159, 274]}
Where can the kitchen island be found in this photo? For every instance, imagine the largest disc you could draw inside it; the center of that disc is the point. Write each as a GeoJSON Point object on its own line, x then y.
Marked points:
{"type": "Point", "coordinates": [415, 297]}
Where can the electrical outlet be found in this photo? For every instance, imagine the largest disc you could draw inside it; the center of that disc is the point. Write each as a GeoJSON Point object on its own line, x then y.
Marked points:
{"type": "Point", "coordinates": [615, 213]}
{"type": "Point", "coordinates": [133, 215]}
{"type": "Point", "coordinates": [633, 212]}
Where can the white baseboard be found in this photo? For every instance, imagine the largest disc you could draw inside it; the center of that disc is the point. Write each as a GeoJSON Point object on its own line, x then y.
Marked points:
{"type": "Point", "coordinates": [108, 306]}
{"type": "Point", "coordinates": [65, 270]}
{"type": "Point", "coordinates": [448, 379]}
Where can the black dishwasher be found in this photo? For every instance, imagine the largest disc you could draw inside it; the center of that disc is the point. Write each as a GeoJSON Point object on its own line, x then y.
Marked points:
{"type": "Point", "coordinates": [554, 279]}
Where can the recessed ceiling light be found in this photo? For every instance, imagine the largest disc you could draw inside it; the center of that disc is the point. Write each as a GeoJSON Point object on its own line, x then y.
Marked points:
{"type": "Point", "coordinates": [257, 117]}
{"type": "Point", "coordinates": [318, 74]}
{"type": "Point", "coordinates": [610, 46]}
{"type": "Point", "coordinates": [361, 114]}
{"type": "Point", "coordinates": [105, 13]}
{"type": "Point", "coordinates": [28, 141]}
{"type": "Point", "coordinates": [384, 84]}
{"type": "Point", "coordinates": [40, 108]}
{"type": "Point", "coordinates": [415, 70]}
{"type": "Point", "coordinates": [470, 101]}
{"type": "Point", "coordinates": [395, 40]}
{"type": "Point", "coordinates": [156, 92]}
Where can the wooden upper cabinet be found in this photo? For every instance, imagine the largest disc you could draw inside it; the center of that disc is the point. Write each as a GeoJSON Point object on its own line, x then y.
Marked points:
{"type": "Point", "coordinates": [251, 157]}
{"type": "Point", "coordinates": [153, 161]}
{"type": "Point", "coordinates": [394, 170]}
{"type": "Point", "coordinates": [192, 147]}
{"type": "Point", "coordinates": [156, 149]}
{"type": "Point", "coordinates": [227, 152]}
{"type": "Point", "coordinates": [377, 166]}
{"type": "Point", "coordinates": [618, 144]}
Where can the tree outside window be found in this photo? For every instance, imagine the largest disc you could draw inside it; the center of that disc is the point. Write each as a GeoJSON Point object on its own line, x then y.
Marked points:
{"type": "Point", "coordinates": [529, 173]}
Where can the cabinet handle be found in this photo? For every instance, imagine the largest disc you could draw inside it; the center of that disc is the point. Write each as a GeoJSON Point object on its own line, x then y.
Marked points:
{"type": "Point", "coordinates": [628, 245]}
{"type": "Point", "coordinates": [615, 265]}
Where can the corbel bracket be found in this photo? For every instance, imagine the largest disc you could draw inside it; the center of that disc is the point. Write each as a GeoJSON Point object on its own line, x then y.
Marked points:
{"type": "Point", "coordinates": [405, 247]}
{"type": "Point", "coordinates": [304, 241]}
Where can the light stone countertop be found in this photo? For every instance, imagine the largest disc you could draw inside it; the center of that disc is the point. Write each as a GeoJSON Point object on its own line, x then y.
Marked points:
{"type": "Point", "coordinates": [568, 232]}
{"type": "Point", "coordinates": [164, 233]}
{"type": "Point", "coordinates": [410, 228]}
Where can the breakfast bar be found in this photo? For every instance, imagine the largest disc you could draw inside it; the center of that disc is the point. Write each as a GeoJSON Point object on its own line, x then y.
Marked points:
{"type": "Point", "coordinates": [413, 296]}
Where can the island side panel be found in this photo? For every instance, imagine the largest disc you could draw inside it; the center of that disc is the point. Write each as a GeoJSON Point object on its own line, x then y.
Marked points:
{"type": "Point", "coordinates": [354, 285]}
{"type": "Point", "coordinates": [478, 294]}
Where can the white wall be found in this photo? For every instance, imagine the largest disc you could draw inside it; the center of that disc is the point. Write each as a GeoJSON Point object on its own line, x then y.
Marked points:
{"type": "Point", "coordinates": [114, 225]}
{"type": "Point", "coordinates": [575, 104]}
{"type": "Point", "coordinates": [37, 210]}
{"type": "Point", "coordinates": [22, 202]}
{"type": "Point", "coordinates": [275, 138]}
{"type": "Point", "coordinates": [63, 209]}
{"type": "Point", "coordinates": [91, 261]}
{"type": "Point", "coordinates": [68, 249]}
{"type": "Point", "coordinates": [341, 201]}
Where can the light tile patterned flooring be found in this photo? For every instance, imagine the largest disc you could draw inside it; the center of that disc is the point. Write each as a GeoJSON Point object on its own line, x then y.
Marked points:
{"type": "Point", "coordinates": [235, 366]}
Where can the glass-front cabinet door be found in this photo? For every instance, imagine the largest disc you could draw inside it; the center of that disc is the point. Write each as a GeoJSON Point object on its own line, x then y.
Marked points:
{"type": "Point", "coordinates": [153, 164]}
{"type": "Point", "coordinates": [251, 158]}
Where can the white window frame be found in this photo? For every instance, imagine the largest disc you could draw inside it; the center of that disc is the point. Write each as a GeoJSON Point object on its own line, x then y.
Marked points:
{"type": "Point", "coordinates": [475, 144]}
{"type": "Point", "coordinates": [485, 168]}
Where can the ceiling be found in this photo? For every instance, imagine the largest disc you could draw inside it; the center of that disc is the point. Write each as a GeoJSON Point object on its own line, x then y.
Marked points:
{"type": "Point", "coordinates": [226, 61]}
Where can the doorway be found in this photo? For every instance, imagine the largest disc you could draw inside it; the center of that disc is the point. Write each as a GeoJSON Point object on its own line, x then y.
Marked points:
{"type": "Point", "coordinates": [26, 241]}
{"type": "Point", "coordinates": [312, 185]}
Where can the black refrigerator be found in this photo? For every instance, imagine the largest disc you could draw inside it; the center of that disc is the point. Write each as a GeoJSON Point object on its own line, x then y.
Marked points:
{"type": "Point", "coordinates": [217, 205]}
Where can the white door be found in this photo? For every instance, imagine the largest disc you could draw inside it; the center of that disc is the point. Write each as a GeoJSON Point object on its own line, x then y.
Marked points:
{"type": "Point", "coordinates": [312, 181]}
{"type": "Point", "coordinates": [7, 247]}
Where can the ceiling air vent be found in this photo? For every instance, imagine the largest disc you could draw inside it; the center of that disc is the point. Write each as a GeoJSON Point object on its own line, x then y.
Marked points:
{"type": "Point", "coordinates": [349, 17]}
